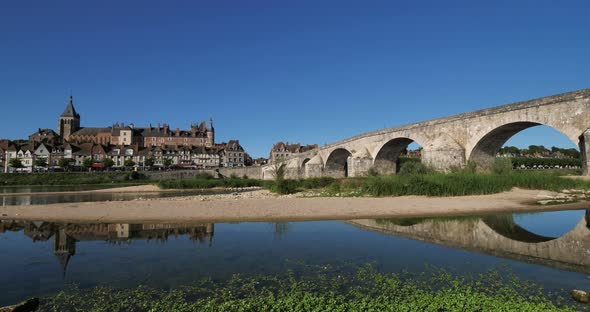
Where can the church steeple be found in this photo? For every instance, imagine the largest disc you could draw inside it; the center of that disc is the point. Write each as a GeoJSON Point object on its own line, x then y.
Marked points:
{"type": "Point", "coordinates": [69, 121]}
{"type": "Point", "coordinates": [70, 111]}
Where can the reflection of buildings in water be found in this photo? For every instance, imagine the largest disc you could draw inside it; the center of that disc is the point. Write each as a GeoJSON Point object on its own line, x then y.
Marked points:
{"type": "Point", "coordinates": [496, 235]}
{"type": "Point", "coordinates": [22, 200]}
{"type": "Point", "coordinates": [66, 235]}
{"type": "Point", "coordinates": [64, 247]}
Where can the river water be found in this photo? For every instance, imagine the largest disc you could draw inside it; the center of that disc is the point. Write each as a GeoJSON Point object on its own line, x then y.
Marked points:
{"type": "Point", "coordinates": [41, 258]}
{"type": "Point", "coordinates": [44, 195]}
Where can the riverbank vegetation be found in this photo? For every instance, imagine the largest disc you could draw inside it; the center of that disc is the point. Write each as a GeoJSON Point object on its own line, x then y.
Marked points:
{"type": "Point", "coordinates": [72, 178]}
{"type": "Point", "coordinates": [324, 288]}
{"type": "Point", "coordinates": [414, 178]}
{"type": "Point", "coordinates": [206, 181]}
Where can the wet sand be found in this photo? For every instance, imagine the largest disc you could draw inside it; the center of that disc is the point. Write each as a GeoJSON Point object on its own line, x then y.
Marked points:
{"type": "Point", "coordinates": [260, 205]}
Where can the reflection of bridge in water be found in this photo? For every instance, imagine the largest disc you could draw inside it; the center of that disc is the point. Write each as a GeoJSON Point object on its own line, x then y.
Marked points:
{"type": "Point", "coordinates": [495, 235]}
{"type": "Point", "coordinates": [66, 235]}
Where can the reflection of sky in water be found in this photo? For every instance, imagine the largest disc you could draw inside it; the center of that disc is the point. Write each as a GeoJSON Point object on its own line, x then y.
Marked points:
{"type": "Point", "coordinates": [551, 223]}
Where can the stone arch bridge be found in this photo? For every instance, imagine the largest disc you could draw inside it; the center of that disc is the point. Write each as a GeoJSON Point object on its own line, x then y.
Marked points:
{"type": "Point", "coordinates": [450, 141]}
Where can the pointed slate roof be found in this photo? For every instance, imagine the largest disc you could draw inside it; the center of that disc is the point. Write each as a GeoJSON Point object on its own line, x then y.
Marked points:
{"type": "Point", "coordinates": [70, 111]}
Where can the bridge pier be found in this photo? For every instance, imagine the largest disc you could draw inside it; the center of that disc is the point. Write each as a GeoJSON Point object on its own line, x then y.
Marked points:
{"type": "Point", "coordinates": [314, 167]}
{"type": "Point", "coordinates": [443, 154]}
{"type": "Point", "coordinates": [444, 160]}
{"type": "Point", "coordinates": [585, 152]}
{"type": "Point", "coordinates": [360, 164]}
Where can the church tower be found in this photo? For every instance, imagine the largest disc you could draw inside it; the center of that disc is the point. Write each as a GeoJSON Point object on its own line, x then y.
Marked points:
{"type": "Point", "coordinates": [210, 134]}
{"type": "Point", "coordinates": [69, 121]}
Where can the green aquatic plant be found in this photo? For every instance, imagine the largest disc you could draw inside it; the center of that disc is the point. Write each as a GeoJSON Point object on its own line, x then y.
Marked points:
{"type": "Point", "coordinates": [324, 288]}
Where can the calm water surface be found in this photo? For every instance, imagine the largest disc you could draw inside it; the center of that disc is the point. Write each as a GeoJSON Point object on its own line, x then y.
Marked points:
{"type": "Point", "coordinates": [44, 199]}
{"type": "Point", "coordinates": [40, 258]}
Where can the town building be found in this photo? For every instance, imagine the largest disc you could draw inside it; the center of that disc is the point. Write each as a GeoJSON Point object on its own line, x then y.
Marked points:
{"type": "Point", "coordinates": [282, 150]}
{"type": "Point", "coordinates": [44, 135]}
{"type": "Point", "coordinates": [231, 154]}
{"type": "Point", "coordinates": [159, 146]}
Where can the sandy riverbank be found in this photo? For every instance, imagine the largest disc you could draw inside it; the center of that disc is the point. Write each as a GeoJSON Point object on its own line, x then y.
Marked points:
{"type": "Point", "coordinates": [261, 205]}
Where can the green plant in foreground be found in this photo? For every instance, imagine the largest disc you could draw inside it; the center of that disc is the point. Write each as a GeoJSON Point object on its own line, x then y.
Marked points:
{"type": "Point", "coordinates": [502, 165]}
{"type": "Point", "coordinates": [323, 289]}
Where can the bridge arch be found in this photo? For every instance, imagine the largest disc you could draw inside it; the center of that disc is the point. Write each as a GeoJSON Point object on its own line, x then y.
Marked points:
{"type": "Point", "coordinates": [487, 145]}
{"type": "Point", "coordinates": [302, 167]}
{"type": "Point", "coordinates": [337, 163]}
{"type": "Point", "coordinates": [387, 158]}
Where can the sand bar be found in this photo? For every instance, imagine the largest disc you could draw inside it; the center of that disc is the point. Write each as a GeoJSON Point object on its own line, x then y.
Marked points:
{"type": "Point", "coordinates": [266, 207]}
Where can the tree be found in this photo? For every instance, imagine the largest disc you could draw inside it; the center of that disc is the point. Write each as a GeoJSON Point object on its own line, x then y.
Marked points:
{"type": "Point", "coordinates": [63, 163]}
{"type": "Point", "coordinates": [167, 162]}
{"type": "Point", "coordinates": [15, 163]}
{"type": "Point", "coordinates": [149, 162]}
{"type": "Point", "coordinates": [129, 163]}
{"type": "Point", "coordinates": [538, 149]}
{"type": "Point", "coordinates": [513, 150]}
{"type": "Point", "coordinates": [87, 162]}
{"type": "Point", "coordinates": [41, 162]}
{"type": "Point", "coordinates": [108, 163]}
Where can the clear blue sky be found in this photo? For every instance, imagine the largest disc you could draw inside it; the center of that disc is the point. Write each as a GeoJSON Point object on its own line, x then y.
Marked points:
{"type": "Point", "coordinates": [298, 71]}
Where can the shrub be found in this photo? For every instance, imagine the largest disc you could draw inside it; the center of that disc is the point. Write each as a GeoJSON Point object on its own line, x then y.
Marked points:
{"type": "Point", "coordinates": [471, 167]}
{"type": "Point", "coordinates": [315, 183]}
{"type": "Point", "coordinates": [204, 176]}
{"type": "Point", "coordinates": [134, 175]}
{"type": "Point", "coordinates": [413, 167]}
{"type": "Point", "coordinates": [502, 165]}
{"type": "Point", "coordinates": [285, 187]}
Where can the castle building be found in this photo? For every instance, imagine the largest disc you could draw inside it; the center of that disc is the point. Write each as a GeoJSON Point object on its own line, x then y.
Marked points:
{"type": "Point", "coordinates": [69, 130]}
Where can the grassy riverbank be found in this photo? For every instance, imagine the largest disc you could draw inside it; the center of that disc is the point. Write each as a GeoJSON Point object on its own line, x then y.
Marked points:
{"type": "Point", "coordinates": [71, 178]}
{"type": "Point", "coordinates": [325, 289]}
{"type": "Point", "coordinates": [436, 184]}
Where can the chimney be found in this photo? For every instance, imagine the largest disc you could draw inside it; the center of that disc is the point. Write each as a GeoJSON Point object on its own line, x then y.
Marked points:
{"type": "Point", "coordinates": [131, 125]}
{"type": "Point", "coordinates": [177, 131]}
{"type": "Point", "coordinates": [159, 127]}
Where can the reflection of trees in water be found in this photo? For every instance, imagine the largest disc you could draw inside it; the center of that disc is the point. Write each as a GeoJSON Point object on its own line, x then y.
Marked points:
{"type": "Point", "coordinates": [414, 221]}
{"type": "Point", "coordinates": [281, 229]}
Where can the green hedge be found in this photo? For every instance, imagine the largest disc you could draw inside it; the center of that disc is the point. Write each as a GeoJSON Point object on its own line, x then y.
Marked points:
{"type": "Point", "coordinates": [551, 162]}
